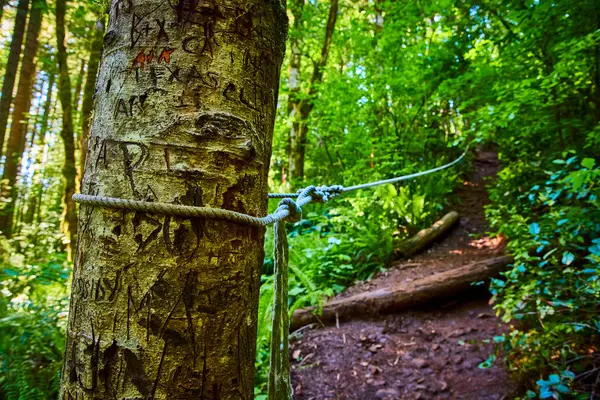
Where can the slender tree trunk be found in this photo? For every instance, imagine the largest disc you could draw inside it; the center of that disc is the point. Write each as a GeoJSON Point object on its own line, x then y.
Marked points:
{"type": "Point", "coordinates": [38, 112]}
{"type": "Point", "coordinates": [90, 88]}
{"type": "Point", "coordinates": [21, 187]}
{"type": "Point", "coordinates": [293, 106]}
{"type": "Point", "coordinates": [77, 92]}
{"type": "Point", "coordinates": [165, 307]}
{"type": "Point", "coordinates": [36, 180]}
{"type": "Point", "coordinates": [12, 65]}
{"type": "Point", "coordinates": [303, 108]}
{"type": "Point", "coordinates": [67, 134]}
{"type": "Point", "coordinates": [298, 141]}
{"type": "Point", "coordinates": [18, 128]}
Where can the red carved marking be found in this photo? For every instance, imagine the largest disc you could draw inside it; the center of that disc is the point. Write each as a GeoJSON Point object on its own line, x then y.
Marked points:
{"type": "Point", "coordinates": [165, 55]}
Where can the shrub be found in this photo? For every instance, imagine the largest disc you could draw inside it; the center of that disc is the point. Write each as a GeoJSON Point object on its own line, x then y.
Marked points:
{"type": "Point", "coordinates": [552, 291]}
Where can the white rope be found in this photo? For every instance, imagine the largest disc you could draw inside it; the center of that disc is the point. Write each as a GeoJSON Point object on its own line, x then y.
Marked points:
{"type": "Point", "coordinates": [340, 189]}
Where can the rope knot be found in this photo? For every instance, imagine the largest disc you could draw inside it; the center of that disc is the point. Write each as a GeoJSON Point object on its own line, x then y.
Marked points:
{"type": "Point", "coordinates": [321, 193]}
{"type": "Point", "coordinates": [295, 212]}
{"type": "Point", "coordinates": [331, 191]}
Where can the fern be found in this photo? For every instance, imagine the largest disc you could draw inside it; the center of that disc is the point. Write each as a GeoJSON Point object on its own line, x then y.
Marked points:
{"type": "Point", "coordinates": [265, 308]}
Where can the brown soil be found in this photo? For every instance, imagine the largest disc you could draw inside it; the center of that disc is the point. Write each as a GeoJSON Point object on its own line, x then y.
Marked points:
{"type": "Point", "coordinates": [431, 353]}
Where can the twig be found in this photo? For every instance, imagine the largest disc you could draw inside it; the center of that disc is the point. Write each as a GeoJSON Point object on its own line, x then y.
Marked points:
{"type": "Point", "coordinates": [409, 265]}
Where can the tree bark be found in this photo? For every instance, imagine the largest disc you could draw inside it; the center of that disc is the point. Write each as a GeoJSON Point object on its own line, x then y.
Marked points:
{"type": "Point", "coordinates": [18, 128]}
{"type": "Point", "coordinates": [90, 88]}
{"type": "Point", "coordinates": [298, 136]}
{"type": "Point", "coordinates": [12, 65]}
{"type": "Point", "coordinates": [69, 226]}
{"type": "Point", "coordinates": [403, 296]}
{"type": "Point", "coordinates": [166, 307]}
{"type": "Point", "coordinates": [425, 236]}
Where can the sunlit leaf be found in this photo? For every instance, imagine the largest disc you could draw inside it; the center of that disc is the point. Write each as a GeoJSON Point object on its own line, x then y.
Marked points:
{"type": "Point", "coordinates": [568, 258]}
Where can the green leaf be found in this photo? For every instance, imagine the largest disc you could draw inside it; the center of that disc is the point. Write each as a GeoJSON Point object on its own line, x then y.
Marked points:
{"type": "Point", "coordinates": [568, 258]}
{"type": "Point", "coordinates": [590, 271]}
{"type": "Point", "coordinates": [554, 379]}
{"type": "Point", "coordinates": [588, 163]}
{"type": "Point", "coordinates": [568, 374]}
{"type": "Point", "coordinates": [534, 228]}
{"type": "Point", "coordinates": [487, 363]}
{"type": "Point", "coordinates": [562, 388]}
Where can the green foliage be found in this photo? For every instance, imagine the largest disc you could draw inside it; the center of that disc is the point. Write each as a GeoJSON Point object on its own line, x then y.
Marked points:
{"type": "Point", "coordinates": [532, 88]}
{"type": "Point", "coordinates": [553, 288]}
{"type": "Point", "coordinates": [33, 311]}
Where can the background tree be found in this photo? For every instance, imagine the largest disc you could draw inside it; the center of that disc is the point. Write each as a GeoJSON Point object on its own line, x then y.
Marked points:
{"type": "Point", "coordinates": [35, 197]}
{"type": "Point", "coordinates": [18, 130]}
{"type": "Point", "coordinates": [90, 88]}
{"type": "Point", "coordinates": [67, 133]}
{"type": "Point", "coordinates": [12, 64]}
{"type": "Point", "coordinates": [299, 105]}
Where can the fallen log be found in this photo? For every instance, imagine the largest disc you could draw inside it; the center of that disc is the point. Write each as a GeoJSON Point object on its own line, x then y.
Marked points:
{"type": "Point", "coordinates": [404, 295]}
{"type": "Point", "coordinates": [424, 237]}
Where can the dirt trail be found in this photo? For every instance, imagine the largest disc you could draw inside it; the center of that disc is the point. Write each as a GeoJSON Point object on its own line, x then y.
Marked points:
{"type": "Point", "coordinates": [430, 353]}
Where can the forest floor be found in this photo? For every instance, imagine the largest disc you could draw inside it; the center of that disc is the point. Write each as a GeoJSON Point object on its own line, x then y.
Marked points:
{"type": "Point", "coordinates": [432, 352]}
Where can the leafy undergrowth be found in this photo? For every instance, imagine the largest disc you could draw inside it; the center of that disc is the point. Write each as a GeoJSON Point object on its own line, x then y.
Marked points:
{"type": "Point", "coordinates": [33, 314]}
{"type": "Point", "coordinates": [551, 216]}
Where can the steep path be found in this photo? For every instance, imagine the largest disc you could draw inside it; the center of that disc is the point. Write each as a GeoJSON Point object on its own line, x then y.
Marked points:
{"type": "Point", "coordinates": [430, 353]}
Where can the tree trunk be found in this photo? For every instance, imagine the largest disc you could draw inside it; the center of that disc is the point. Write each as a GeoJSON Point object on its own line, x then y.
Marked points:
{"type": "Point", "coordinates": [69, 226]}
{"type": "Point", "coordinates": [404, 295]}
{"type": "Point", "coordinates": [12, 65]}
{"type": "Point", "coordinates": [18, 128]}
{"type": "Point", "coordinates": [166, 307]}
{"type": "Point", "coordinates": [90, 88]}
{"type": "Point", "coordinates": [36, 180]}
{"type": "Point", "coordinates": [302, 108]}
{"type": "Point", "coordinates": [293, 106]}
{"type": "Point", "coordinates": [77, 92]}
{"type": "Point", "coordinates": [21, 187]}
{"type": "Point", "coordinates": [38, 113]}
